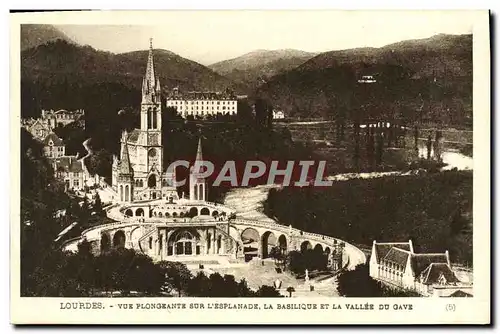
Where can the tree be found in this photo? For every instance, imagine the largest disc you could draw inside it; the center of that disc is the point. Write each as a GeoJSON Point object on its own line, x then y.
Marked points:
{"type": "Point", "coordinates": [380, 148]}
{"type": "Point", "coordinates": [267, 291]}
{"type": "Point", "coordinates": [290, 290]}
{"type": "Point", "coordinates": [357, 283]}
{"type": "Point", "coordinates": [277, 254]}
{"type": "Point", "coordinates": [429, 147]}
{"type": "Point", "coordinates": [177, 275]}
{"type": "Point", "coordinates": [263, 110]}
{"type": "Point", "coordinates": [98, 205]}
{"type": "Point", "coordinates": [295, 262]}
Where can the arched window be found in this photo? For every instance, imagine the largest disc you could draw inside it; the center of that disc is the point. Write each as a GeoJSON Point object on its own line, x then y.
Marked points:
{"type": "Point", "coordinates": [155, 118]}
{"type": "Point", "coordinates": [126, 193]}
{"type": "Point", "coordinates": [201, 192]}
{"type": "Point", "coordinates": [152, 181]}
{"type": "Point", "coordinates": [195, 192]}
{"type": "Point", "coordinates": [184, 243]}
{"type": "Point", "coordinates": [121, 193]}
{"type": "Point", "coordinates": [149, 116]}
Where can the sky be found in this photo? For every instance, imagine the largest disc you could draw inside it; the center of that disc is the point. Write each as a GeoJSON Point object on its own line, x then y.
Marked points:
{"type": "Point", "coordinates": [211, 36]}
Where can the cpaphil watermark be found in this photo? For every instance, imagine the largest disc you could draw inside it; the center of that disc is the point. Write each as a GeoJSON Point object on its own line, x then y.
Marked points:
{"type": "Point", "coordinates": [289, 173]}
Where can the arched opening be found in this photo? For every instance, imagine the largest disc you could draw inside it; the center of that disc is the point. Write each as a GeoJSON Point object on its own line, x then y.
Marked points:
{"type": "Point", "coordinates": [126, 193]}
{"type": "Point", "coordinates": [209, 243]}
{"type": "Point", "coordinates": [141, 184]}
{"type": "Point", "coordinates": [268, 242]}
{"type": "Point", "coordinates": [215, 213]}
{"type": "Point", "coordinates": [306, 245]}
{"type": "Point", "coordinates": [250, 238]}
{"type": "Point", "coordinates": [318, 249]}
{"type": "Point", "coordinates": [105, 243]}
{"type": "Point", "coordinates": [181, 214]}
{"type": "Point", "coordinates": [195, 193]}
{"type": "Point", "coordinates": [184, 242]}
{"type": "Point", "coordinates": [174, 214]}
{"type": "Point", "coordinates": [137, 183]}
{"type": "Point", "coordinates": [150, 118]}
{"type": "Point", "coordinates": [152, 181]}
{"type": "Point", "coordinates": [139, 212]}
{"type": "Point", "coordinates": [282, 243]}
{"type": "Point", "coordinates": [150, 213]}
{"type": "Point", "coordinates": [160, 214]}
{"type": "Point", "coordinates": [129, 213]}
{"type": "Point", "coordinates": [201, 193]}
{"type": "Point", "coordinates": [327, 251]}
{"type": "Point", "coordinates": [167, 214]}
{"type": "Point", "coordinates": [121, 193]}
{"type": "Point", "coordinates": [119, 240]}
{"type": "Point", "coordinates": [219, 244]}
{"type": "Point", "coordinates": [150, 242]}
{"type": "Point", "coordinates": [193, 212]}
{"type": "Point", "coordinates": [205, 212]}
{"type": "Point", "coordinates": [155, 118]}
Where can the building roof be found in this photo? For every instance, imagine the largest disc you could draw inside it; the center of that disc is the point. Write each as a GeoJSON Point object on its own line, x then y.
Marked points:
{"type": "Point", "coordinates": [134, 136]}
{"type": "Point", "coordinates": [397, 256]}
{"type": "Point", "coordinates": [202, 96]}
{"type": "Point", "coordinates": [68, 164]}
{"type": "Point", "coordinates": [419, 262]}
{"type": "Point", "coordinates": [433, 273]}
{"type": "Point", "coordinates": [460, 293]}
{"type": "Point", "coordinates": [382, 249]}
{"type": "Point", "coordinates": [56, 141]}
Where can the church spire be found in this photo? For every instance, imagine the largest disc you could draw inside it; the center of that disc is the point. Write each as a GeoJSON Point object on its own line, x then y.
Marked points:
{"type": "Point", "coordinates": [199, 155]}
{"type": "Point", "coordinates": [150, 83]}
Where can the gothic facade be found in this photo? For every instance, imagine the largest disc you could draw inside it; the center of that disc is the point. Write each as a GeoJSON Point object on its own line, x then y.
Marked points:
{"type": "Point", "coordinates": [138, 173]}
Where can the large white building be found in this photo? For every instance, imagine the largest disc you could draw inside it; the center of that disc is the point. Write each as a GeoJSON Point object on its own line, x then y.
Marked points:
{"type": "Point", "coordinates": [429, 274]}
{"type": "Point", "coordinates": [202, 104]}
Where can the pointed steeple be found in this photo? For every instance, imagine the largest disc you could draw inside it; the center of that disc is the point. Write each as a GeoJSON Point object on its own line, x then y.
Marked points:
{"type": "Point", "coordinates": [199, 155]}
{"type": "Point", "coordinates": [150, 83]}
{"type": "Point", "coordinates": [125, 168]}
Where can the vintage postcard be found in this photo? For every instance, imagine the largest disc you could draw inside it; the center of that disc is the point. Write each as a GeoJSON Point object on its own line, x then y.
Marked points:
{"type": "Point", "coordinates": [250, 167]}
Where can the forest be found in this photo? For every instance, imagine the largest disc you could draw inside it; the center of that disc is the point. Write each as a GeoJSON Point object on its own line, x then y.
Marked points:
{"type": "Point", "coordinates": [433, 209]}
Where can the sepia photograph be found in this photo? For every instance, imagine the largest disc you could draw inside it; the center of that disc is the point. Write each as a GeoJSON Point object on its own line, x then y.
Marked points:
{"type": "Point", "coordinates": [235, 156]}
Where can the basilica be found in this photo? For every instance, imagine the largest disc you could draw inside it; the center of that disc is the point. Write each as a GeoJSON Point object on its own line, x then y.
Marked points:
{"type": "Point", "coordinates": [138, 173]}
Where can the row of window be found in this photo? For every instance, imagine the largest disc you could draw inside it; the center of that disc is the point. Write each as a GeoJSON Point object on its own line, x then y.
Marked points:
{"type": "Point", "coordinates": [202, 108]}
{"type": "Point", "coordinates": [189, 112]}
{"type": "Point", "coordinates": [198, 102]}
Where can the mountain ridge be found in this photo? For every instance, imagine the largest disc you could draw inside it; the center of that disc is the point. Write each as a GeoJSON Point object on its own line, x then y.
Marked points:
{"type": "Point", "coordinates": [257, 66]}
{"type": "Point", "coordinates": [431, 77]}
{"type": "Point", "coordinates": [33, 35]}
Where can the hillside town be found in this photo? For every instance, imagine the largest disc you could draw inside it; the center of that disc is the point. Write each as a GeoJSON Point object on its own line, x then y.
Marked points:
{"type": "Point", "coordinates": [393, 181]}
